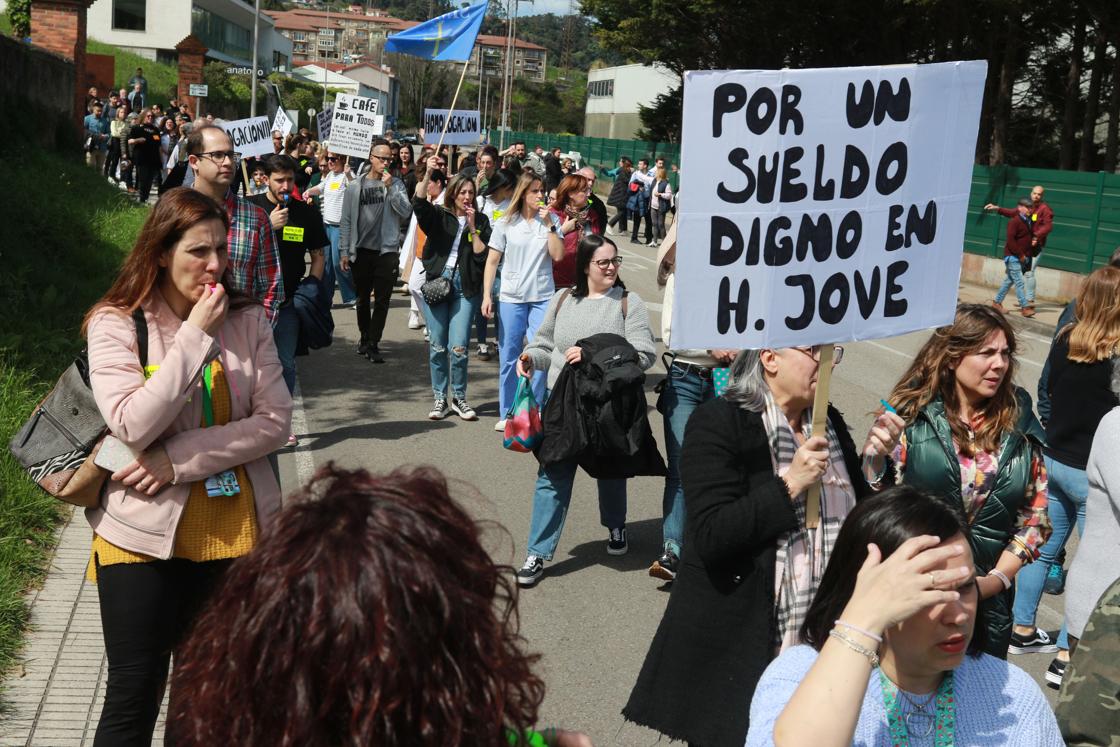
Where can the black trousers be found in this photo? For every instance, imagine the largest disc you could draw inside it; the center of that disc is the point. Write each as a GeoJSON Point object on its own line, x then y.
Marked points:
{"type": "Point", "coordinates": [146, 175]}
{"type": "Point", "coordinates": [637, 221]}
{"type": "Point", "coordinates": [146, 609]}
{"type": "Point", "coordinates": [619, 219]}
{"type": "Point", "coordinates": [374, 272]}
{"type": "Point", "coordinates": [112, 158]}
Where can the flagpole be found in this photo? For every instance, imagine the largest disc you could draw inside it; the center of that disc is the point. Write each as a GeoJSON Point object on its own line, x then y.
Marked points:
{"type": "Point", "coordinates": [455, 98]}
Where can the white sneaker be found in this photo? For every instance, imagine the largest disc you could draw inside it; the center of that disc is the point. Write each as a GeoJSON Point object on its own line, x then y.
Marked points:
{"type": "Point", "coordinates": [500, 426]}
{"type": "Point", "coordinates": [414, 320]}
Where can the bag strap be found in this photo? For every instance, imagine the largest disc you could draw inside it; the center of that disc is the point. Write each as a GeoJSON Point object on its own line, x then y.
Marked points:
{"type": "Point", "coordinates": [563, 297]}
{"type": "Point", "coordinates": [568, 291]}
{"type": "Point", "coordinates": [625, 303]}
{"type": "Point", "coordinates": [141, 335]}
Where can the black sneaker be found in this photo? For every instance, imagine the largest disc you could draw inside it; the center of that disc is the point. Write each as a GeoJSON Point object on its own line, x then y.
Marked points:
{"type": "Point", "coordinates": [616, 542]}
{"type": "Point", "coordinates": [531, 572]}
{"type": "Point", "coordinates": [439, 409]}
{"type": "Point", "coordinates": [363, 349]}
{"type": "Point", "coordinates": [1038, 642]}
{"type": "Point", "coordinates": [1055, 673]}
{"type": "Point", "coordinates": [465, 411]}
{"type": "Point", "coordinates": [374, 355]}
{"type": "Point", "coordinates": [483, 351]}
{"type": "Point", "coordinates": [665, 567]}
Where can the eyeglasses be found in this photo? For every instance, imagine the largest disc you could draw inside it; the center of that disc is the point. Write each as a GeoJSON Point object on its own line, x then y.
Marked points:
{"type": "Point", "coordinates": [332, 158]}
{"type": "Point", "coordinates": [603, 264]}
{"type": "Point", "coordinates": [381, 158]}
{"type": "Point", "coordinates": [217, 156]}
{"type": "Point", "coordinates": [815, 353]}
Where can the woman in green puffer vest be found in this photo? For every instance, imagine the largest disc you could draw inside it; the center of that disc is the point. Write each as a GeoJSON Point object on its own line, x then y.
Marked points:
{"type": "Point", "coordinates": [964, 432]}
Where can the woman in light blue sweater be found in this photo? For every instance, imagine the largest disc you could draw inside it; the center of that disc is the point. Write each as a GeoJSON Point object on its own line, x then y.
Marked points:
{"type": "Point", "coordinates": [891, 657]}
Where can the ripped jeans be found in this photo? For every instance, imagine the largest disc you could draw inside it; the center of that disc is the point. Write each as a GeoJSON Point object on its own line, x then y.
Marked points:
{"type": "Point", "coordinates": [449, 330]}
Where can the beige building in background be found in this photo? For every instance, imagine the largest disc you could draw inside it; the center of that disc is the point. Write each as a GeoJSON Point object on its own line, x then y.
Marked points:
{"type": "Point", "coordinates": [614, 95]}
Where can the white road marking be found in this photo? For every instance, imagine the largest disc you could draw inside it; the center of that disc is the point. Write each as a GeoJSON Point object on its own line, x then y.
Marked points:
{"type": "Point", "coordinates": [910, 356]}
{"type": "Point", "coordinates": [305, 464]}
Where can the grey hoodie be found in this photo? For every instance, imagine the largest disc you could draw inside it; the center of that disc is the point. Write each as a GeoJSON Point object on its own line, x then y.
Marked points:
{"type": "Point", "coordinates": [358, 220]}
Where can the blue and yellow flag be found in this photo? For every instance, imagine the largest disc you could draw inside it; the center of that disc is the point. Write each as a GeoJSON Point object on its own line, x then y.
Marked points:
{"type": "Point", "coordinates": [449, 37]}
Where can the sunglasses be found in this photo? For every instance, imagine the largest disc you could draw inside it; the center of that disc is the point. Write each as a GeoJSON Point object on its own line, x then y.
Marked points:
{"type": "Point", "coordinates": [603, 264]}
{"type": "Point", "coordinates": [331, 159]}
{"type": "Point", "coordinates": [815, 353]}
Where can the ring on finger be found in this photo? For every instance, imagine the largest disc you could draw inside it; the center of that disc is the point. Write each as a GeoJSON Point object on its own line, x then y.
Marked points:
{"type": "Point", "coordinates": [932, 580]}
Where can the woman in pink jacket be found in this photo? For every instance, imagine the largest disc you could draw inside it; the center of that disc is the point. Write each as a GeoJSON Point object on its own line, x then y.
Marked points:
{"type": "Point", "coordinates": [200, 420]}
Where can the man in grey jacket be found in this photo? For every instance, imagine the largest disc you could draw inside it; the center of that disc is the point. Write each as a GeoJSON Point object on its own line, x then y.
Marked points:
{"type": "Point", "coordinates": [370, 241]}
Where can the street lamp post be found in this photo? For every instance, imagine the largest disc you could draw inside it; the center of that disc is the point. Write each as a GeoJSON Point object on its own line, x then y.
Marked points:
{"type": "Point", "coordinates": [253, 72]}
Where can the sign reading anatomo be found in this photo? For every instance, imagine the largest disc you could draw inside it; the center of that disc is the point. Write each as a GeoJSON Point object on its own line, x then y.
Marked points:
{"type": "Point", "coordinates": [354, 124]}
{"type": "Point", "coordinates": [251, 137]}
{"type": "Point", "coordinates": [823, 205]}
{"type": "Point", "coordinates": [462, 129]}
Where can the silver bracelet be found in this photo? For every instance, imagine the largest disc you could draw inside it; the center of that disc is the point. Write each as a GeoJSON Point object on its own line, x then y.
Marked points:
{"type": "Point", "coordinates": [1002, 577]}
{"type": "Point", "coordinates": [870, 655]}
{"type": "Point", "coordinates": [861, 631]}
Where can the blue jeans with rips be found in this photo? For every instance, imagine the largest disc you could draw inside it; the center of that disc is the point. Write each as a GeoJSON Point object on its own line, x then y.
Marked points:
{"type": "Point", "coordinates": [1068, 490]}
{"type": "Point", "coordinates": [684, 391]}
{"type": "Point", "coordinates": [449, 333]}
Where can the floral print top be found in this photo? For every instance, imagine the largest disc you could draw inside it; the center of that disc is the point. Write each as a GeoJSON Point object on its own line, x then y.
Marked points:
{"type": "Point", "coordinates": [978, 475]}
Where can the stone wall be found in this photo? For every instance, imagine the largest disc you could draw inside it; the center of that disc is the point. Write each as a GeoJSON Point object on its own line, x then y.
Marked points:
{"type": "Point", "coordinates": [37, 95]}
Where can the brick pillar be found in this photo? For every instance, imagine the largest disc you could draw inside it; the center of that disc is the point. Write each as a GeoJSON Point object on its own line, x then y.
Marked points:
{"type": "Point", "coordinates": [192, 56]}
{"type": "Point", "coordinates": [60, 26]}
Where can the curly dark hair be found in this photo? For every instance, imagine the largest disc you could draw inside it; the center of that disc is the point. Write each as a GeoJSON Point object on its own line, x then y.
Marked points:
{"type": "Point", "coordinates": [369, 614]}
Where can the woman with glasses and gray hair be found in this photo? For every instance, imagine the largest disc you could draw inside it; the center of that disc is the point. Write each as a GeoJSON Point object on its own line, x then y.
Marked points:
{"type": "Point", "coordinates": [751, 560]}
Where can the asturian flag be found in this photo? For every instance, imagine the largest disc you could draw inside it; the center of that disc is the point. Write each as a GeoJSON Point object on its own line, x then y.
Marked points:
{"type": "Point", "coordinates": [449, 37]}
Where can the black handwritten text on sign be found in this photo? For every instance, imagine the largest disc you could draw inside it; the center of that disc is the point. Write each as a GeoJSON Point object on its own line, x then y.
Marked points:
{"type": "Point", "coordinates": [822, 205]}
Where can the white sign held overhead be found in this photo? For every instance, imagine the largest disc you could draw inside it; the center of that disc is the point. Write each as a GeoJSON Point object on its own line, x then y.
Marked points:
{"type": "Point", "coordinates": [463, 129]}
{"type": "Point", "coordinates": [354, 124]}
{"type": "Point", "coordinates": [822, 205]}
{"type": "Point", "coordinates": [282, 123]}
{"type": "Point", "coordinates": [251, 137]}
{"type": "Point", "coordinates": [201, 90]}
{"type": "Point", "coordinates": [323, 122]}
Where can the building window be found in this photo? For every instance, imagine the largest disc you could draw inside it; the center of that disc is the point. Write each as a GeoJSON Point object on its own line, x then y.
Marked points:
{"type": "Point", "coordinates": [221, 35]}
{"type": "Point", "coordinates": [600, 88]}
{"type": "Point", "coordinates": [298, 36]}
{"type": "Point", "coordinates": [129, 15]}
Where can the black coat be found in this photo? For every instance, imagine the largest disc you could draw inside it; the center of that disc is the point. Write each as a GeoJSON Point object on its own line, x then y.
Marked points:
{"type": "Point", "coordinates": [441, 226]}
{"type": "Point", "coordinates": [596, 414]}
{"type": "Point", "coordinates": [715, 638]}
{"type": "Point", "coordinates": [620, 190]}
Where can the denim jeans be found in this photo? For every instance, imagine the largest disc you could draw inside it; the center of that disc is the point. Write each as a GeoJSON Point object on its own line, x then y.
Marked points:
{"type": "Point", "coordinates": [550, 506]}
{"type": "Point", "coordinates": [1029, 282]}
{"type": "Point", "coordinates": [449, 333]}
{"type": "Point", "coordinates": [481, 322]}
{"type": "Point", "coordinates": [1014, 277]}
{"type": "Point", "coordinates": [334, 271]}
{"type": "Point", "coordinates": [684, 391]}
{"type": "Point", "coordinates": [520, 322]}
{"type": "Point", "coordinates": [286, 336]}
{"type": "Point", "coordinates": [1069, 487]}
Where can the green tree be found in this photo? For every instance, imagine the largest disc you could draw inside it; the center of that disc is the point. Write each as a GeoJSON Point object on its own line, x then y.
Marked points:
{"type": "Point", "coordinates": [19, 14]}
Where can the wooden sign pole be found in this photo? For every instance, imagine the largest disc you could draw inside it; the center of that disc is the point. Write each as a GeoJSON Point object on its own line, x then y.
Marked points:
{"type": "Point", "coordinates": [248, 192]}
{"type": "Point", "coordinates": [820, 428]}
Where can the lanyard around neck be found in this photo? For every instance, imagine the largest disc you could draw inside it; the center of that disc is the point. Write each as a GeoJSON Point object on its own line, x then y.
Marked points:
{"type": "Point", "coordinates": [207, 395]}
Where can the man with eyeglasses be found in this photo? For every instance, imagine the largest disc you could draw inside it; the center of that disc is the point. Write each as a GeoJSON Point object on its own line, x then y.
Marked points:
{"type": "Point", "coordinates": [143, 145]}
{"type": "Point", "coordinates": [370, 243]}
{"type": "Point", "coordinates": [254, 260]}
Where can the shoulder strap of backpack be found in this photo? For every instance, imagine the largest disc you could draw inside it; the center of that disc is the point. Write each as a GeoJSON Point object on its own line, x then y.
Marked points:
{"type": "Point", "coordinates": [625, 303]}
{"type": "Point", "coordinates": [563, 297]}
{"type": "Point", "coordinates": [141, 335]}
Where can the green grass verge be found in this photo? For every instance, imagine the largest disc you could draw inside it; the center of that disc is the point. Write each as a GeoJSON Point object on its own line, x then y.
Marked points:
{"type": "Point", "coordinates": [163, 80]}
{"type": "Point", "coordinates": [61, 243]}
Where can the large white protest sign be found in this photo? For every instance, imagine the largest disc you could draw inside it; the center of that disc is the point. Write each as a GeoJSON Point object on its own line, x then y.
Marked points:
{"type": "Point", "coordinates": [281, 123]}
{"type": "Point", "coordinates": [251, 137]}
{"type": "Point", "coordinates": [822, 205]}
{"type": "Point", "coordinates": [462, 129]}
{"type": "Point", "coordinates": [323, 122]}
{"type": "Point", "coordinates": [354, 124]}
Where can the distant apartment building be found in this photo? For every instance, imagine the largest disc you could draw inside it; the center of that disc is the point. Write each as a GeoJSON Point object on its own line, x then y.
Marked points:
{"type": "Point", "coordinates": [361, 79]}
{"type": "Point", "coordinates": [359, 36]}
{"type": "Point", "coordinates": [614, 95]}
{"type": "Point", "coordinates": [152, 28]}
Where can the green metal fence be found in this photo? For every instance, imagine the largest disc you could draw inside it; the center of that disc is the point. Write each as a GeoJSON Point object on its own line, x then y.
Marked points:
{"type": "Point", "coordinates": [601, 152]}
{"type": "Point", "coordinates": [1086, 214]}
{"type": "Point", "coordinates": [1086, 205]}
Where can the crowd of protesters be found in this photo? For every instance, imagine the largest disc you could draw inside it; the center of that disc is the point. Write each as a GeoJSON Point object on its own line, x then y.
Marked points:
{"type": "Point", "coordinates": [821, 592]}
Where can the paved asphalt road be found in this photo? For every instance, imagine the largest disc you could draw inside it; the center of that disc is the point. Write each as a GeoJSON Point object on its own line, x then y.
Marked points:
{"type": "Point", "coordinates": [593, 615]}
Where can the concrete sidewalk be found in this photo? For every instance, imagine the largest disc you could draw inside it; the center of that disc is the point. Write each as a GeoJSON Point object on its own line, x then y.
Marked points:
{"type": "Point", "coordinates": [55, 695]}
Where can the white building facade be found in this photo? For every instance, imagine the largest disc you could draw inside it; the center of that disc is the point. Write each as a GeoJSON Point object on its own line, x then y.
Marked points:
{"type": "Point", "coordinates": [614, 95]}
{"type": "Point", "coordinates": [152, 28]}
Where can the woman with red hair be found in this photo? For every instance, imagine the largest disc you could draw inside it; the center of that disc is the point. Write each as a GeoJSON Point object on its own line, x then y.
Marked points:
{"type": "Point", "coordinates": [370, 614]}
{"type": "Point", "coordinates": [572, 207]}
{"type": "Point", "coordinates": [197, 422]}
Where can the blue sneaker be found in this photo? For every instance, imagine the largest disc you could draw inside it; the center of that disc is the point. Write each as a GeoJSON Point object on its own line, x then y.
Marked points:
{"type": "Point", "coordinates": [1055, 580]}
